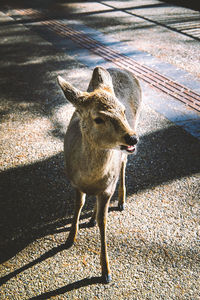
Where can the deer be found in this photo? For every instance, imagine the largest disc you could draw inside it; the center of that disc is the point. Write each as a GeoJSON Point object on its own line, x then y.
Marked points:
{"type": "Point", "coordinates": [100, 136]}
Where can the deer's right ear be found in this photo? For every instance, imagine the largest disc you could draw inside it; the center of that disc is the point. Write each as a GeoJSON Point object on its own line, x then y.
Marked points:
{"type": "Point", "coordinates": [100, 76]}
{"type": "Point", "coordinates": [71, 93]}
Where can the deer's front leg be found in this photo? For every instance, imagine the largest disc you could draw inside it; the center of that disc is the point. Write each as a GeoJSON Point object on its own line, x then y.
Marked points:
{"type": "Point", "coordinates": [122, 187]}
{"type": "Point", "coordinates": [102, 211]}
{"type": "Point", "coordinates": [80, 201]}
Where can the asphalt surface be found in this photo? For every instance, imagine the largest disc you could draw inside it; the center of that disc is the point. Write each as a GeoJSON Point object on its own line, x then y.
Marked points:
{"type": "Point", "coordinates": [154, 244]}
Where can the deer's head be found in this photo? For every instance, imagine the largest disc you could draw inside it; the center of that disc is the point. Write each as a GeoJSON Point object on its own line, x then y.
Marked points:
{"type": "Point", "coordinates": [103, 120]}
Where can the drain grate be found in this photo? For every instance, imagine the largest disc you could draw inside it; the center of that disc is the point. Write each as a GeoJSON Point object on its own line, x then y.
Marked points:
{"type": "Point", "coordinates": [155, 79]}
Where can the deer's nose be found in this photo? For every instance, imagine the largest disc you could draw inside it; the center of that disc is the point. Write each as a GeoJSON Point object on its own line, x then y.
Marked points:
{"type": "Point", "coordinates": [131, 140]}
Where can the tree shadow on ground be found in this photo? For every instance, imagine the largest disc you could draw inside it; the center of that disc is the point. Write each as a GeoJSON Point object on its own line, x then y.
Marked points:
{"type": "Point", "coordinates": [29, 66]}
{"type": "Point", "coordinates": [163, 156]}
{"type": "Point", "coordinates": [193, 4]}
{"type": "Point", "coordinates": [104, 18]}
{"type": "Point", "coordinates": [37, 200]}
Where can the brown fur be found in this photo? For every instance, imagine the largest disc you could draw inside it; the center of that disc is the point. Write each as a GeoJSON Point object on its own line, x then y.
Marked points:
{"type": "Point", "coordinates": [104, 116]}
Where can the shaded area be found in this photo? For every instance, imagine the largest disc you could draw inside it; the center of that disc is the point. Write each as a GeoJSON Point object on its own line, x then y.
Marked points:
{"type": "Point", "coordinates": [22, 57]}
{"type": "Point", "coordinates": [160, 254]}
{"type": "Point", "coordinates": [33, 199]}
{"type": "Point", "coordinates": [36, 199]}
{"type": "Point", "coordinates": [70, 287]}
{"type": "Point", "coordinates": [164, 156]}
{"type": "Point", "coordinates": [180, 23]}
{"type": "Point", "coordinates": [173, 23]}
{"type": "Point", "coordinates": [43, 257]}
{"type": "Point", "coordinates": [29, 66]}
{"type": "Point", "coordinates": [29, 91]}
{"type": "Point", "coordinates": [193, 4]}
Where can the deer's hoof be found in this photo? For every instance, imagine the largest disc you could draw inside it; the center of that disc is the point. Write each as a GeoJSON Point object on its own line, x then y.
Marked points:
{"type": "Point", "coordinates": [106, 278]}
{"type": "Point", "coordinates": [121, 206]}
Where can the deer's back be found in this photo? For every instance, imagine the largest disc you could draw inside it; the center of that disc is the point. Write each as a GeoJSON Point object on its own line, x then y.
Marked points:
{"type": "Point", "coordinates": [127, 90]}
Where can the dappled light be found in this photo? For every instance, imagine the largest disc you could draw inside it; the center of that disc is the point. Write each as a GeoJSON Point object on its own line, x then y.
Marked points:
{"type": "Point", "coordinates": [153, 244]}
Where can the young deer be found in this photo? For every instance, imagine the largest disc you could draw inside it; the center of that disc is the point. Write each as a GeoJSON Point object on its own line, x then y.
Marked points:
{"type": "Point", "coordinates": [100, 135]}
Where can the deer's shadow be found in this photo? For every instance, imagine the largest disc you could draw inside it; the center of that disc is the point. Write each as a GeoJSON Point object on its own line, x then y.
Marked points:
{"type": "Point", "coordinates": [36, 200]}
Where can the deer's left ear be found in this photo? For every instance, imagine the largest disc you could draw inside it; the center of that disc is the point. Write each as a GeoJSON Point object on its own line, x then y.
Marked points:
{"type": "Point", "coordinates": [71, 93]}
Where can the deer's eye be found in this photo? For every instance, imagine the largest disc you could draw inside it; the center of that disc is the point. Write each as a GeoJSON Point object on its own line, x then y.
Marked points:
{"type": "Point", "coordinates": [98, 120]}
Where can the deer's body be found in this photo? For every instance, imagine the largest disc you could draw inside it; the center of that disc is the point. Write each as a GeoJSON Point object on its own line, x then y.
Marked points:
{"type": "Point", "coordinates": [89, 169]}
{"type": "Point", "coordinates": [100, 135]}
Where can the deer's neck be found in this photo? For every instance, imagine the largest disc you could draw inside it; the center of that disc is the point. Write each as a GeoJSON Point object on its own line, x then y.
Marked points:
{"type": "Point", "coordinates": [99, 169]}
{"type": "Point", "coordinates": [95, 159]}
{"type": "Point", "coordinates": [90, 169]}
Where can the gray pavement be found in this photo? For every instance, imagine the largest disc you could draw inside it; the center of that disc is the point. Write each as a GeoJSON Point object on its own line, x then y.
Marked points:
{"type": "Point", "coordinates": [154, 244]}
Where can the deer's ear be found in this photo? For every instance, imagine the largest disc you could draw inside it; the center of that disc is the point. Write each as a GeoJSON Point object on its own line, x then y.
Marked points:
{"type": "Point", "coordinates": [71, 93]}
{"type": "Point", "coordinates": [100, 77]}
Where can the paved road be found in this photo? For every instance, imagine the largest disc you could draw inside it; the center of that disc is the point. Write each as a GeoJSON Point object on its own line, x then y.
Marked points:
{"type": "Point", "coordinates": [154, 244]}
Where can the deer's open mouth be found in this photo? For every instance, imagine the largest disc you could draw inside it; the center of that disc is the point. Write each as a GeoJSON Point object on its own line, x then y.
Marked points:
{"type": "Point", "coordinates": [128, 149]}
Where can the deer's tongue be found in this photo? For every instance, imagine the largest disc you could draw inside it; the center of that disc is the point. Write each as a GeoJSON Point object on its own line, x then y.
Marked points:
{"type": "Point", "coordinates": [131, 148]}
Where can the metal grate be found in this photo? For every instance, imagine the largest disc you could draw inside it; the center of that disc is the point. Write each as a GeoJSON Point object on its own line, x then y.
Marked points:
{"type": "Point", "coordinates": [155, 79]}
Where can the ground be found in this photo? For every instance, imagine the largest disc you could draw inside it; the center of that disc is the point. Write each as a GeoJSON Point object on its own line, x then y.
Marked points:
{"type": "Point", "coordinates": [154, 243]}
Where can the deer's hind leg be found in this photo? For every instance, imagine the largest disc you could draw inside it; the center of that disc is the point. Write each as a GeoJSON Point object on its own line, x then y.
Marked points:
{"type": "Point", "coordinates": [80, 201]}
{"type": "Point", "coordinates": [122, 187]}
{"type": "Point", "coordinates": [92, 221]}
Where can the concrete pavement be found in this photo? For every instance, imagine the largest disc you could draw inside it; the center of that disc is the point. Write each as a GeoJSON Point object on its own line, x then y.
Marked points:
{"type": "Point", "coordinates": [154, 244]}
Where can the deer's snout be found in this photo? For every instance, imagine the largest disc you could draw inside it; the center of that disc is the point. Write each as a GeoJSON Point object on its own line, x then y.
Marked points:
{"type": "Point", "coordinates": [130, 140]}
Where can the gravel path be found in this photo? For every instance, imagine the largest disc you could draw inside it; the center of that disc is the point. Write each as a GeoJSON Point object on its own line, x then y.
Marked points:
{"type": "Point", "coordinates": [153, 245]}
